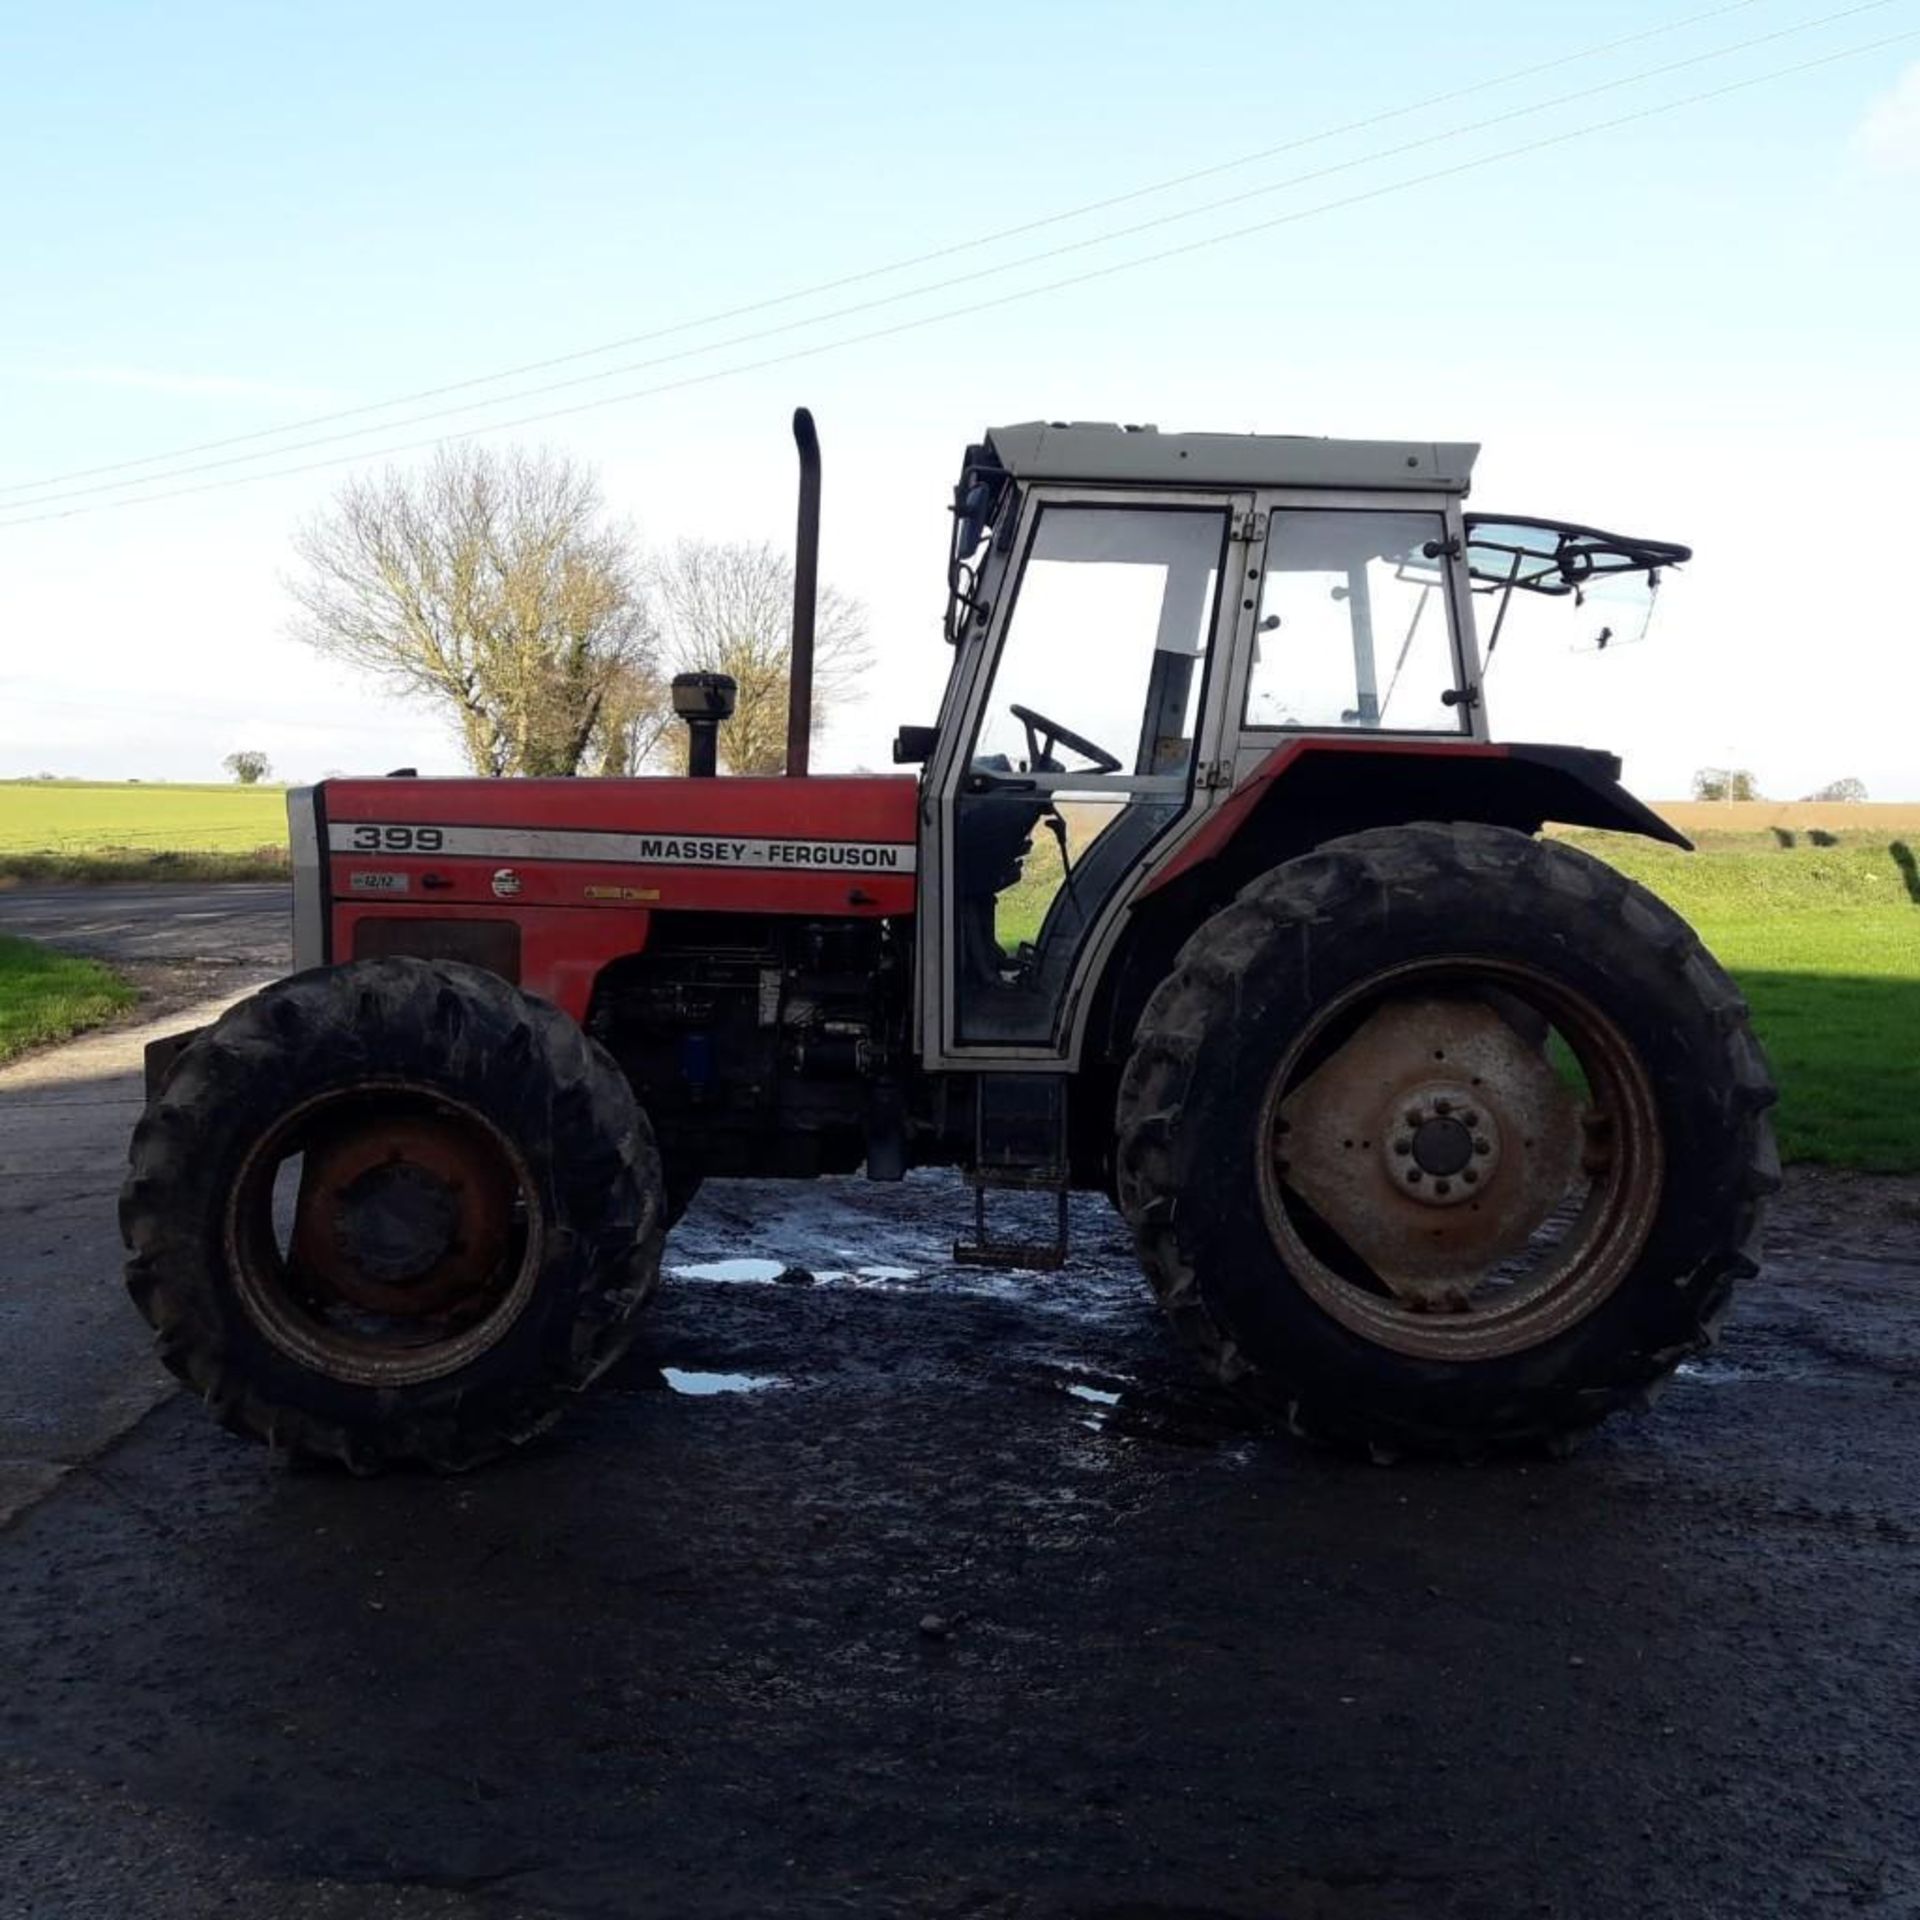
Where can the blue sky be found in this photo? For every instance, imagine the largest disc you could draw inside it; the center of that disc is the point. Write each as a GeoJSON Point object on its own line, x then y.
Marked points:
{"type": "Point", "coordinates": [228, 218]}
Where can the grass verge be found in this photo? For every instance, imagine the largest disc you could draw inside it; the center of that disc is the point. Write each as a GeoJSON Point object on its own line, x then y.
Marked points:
{"type": "Point", "coordinates": [106, 865]}
{"type": "Point", "coordinates": [47, 996]}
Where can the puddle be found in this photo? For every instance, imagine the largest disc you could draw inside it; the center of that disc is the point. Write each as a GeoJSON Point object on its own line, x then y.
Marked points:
{"type": "Point", "coordinates": [759, 1273]}
{"type": "Point", "coordinates": [1126, 1410]}
{"type": "Point", "coordinates": [682, 1381]}
{"type": "Point", "coordinates": [871, 1279]}
{"type": "Point", "coordinates": [1714, 1373]}
{"type": "Point", "coordinates": [739, 1272]}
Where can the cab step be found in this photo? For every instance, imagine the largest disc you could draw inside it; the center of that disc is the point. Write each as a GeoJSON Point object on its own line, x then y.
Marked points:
{"type": "Point", "coordinates": [1019, 1145]}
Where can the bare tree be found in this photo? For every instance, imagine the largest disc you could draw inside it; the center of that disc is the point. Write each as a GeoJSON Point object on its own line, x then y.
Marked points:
{"type": "Point", "coordinates": [727, 607]}
{"type": "Point", "coordinates": [248, 766]}
{"type": "Point", "coordinates": [635, 718]}
{"type": "Point", "coordinates": [1850, 791]}
{"type": "Point", "coordinates": [490, 584]}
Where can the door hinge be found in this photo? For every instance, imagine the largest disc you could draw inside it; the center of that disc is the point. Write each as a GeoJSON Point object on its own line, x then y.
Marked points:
{"type": "Point", "coordinates": [1215, 774]}
{"type": "Point", "coordinates": [1250, 525]}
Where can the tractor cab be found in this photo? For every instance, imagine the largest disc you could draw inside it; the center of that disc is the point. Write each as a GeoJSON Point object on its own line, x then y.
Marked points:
{"type": "Point", "coordinates": [1134, 614]}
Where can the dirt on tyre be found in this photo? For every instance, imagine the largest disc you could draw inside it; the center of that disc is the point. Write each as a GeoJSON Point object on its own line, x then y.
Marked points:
{"type": "Point", "coordinates": [1443, 1139]}
{"type": "Point", "coordinates": [389, 1212]}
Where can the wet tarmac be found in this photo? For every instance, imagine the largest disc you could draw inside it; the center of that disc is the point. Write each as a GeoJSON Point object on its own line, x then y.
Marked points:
{"type": "Point", "coordinates": [871, 1584]}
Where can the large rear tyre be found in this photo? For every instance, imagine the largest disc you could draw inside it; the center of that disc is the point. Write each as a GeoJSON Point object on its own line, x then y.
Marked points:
{"type": "Point", "coordinates": [392, 1211]}
{"type": "Point", "coordinates": [1443, 1138]}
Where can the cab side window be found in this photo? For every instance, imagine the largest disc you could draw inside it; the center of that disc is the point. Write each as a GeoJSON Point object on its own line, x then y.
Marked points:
{"type": "Point", "coordinates": [1355, 626]}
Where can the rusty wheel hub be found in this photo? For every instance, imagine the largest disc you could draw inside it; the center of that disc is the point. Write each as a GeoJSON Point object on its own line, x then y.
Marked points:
{"type": "Point", "coordinates": [1437, 1181]}
{"type": "Point", "coordinates": [413, 1242]}
{"type": "Point", "coordinates": [403, 1217]}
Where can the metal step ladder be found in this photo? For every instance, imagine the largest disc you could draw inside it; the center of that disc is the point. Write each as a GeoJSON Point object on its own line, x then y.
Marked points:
{"type": "Point", "coordinates": [1019, 1145]}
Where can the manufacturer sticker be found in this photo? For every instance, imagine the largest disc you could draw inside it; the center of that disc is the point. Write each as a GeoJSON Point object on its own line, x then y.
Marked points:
{"type": "Point", "coordinates": [639, 849]}
{"type": "Point", "coordinates": [377, 883]}
{"type": "Point", "coordinates": [621, 893]}
{"type": "Point", "coordinates": [506, 883]}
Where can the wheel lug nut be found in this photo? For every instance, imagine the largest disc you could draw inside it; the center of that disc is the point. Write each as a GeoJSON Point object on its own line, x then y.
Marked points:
{"type": "Point", "coordinates": [1403, 1147]}
{"type": "Point", "coordinates": [1482, 1146]}
{"type": "Point", "coordinates": [1469, 1119]}
{"type": "Point", "coordinates": [1413, 1116]}
{"type": "Point", "coordinates": [1443, 1106]}
{"type": "Point", "coordinates": [1470, 1177]}
{"type": "Point", "coordinates": [1413, 1176]}
{"type": "Point", "coordinates": [1443, 1186]}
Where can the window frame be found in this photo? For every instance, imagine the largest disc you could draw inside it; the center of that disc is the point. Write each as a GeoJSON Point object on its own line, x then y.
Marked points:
{"type": "Point", "coordinates": [1471, 723]}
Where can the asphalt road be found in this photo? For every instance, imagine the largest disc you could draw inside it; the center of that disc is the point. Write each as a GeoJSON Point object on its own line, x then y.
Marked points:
{"type": "Point", "coordinates": [241, 927]}
{"type": "Point", "coordinates": [917, 1590]}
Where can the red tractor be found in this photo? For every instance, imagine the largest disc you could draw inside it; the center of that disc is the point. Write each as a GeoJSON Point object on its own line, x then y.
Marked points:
{"type": "Point", "coordinates": [1434, 1134]}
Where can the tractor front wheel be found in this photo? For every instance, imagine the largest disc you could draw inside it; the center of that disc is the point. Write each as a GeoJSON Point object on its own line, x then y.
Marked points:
{"type": "Point", "coordinates": [392, 1211]}
{"type": "Point", "coordinates": [1443, 1138]}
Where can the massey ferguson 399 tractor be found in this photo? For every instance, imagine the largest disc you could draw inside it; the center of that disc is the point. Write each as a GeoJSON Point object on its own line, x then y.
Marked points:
{"type": "Point", "coordinates": [1212, 893]}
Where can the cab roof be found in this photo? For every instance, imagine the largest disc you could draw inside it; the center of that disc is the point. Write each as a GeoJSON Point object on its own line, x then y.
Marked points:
{"type": "Point", "coordinates": [1106, 454]}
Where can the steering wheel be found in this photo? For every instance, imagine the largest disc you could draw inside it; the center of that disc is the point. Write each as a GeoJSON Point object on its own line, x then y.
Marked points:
{"type": "Point", "coordinates": [1044, 734]}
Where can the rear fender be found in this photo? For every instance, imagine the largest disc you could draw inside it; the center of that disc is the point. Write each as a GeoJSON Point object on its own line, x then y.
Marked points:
{"type": "Point", "coordinates": [1308, 792]}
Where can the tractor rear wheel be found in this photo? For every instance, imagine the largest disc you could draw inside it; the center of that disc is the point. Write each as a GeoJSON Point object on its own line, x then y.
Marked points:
{"type": "Point", "coordinates": [1443, 1138]}
{"type": "Point", "coordinates": [392, 1211]}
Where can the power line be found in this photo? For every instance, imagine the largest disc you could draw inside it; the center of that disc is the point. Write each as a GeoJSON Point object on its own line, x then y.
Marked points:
{"type": "Point", "coordinates": [857, 308]}
{"type": "Point", "coordinates": [1007, 299]}
{"type": "Point", "coordinates": [718, 318]}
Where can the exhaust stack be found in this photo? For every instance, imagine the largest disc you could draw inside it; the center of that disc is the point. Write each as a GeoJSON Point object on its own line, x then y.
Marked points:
{"type": "Point", "coordinates": [806, 579]}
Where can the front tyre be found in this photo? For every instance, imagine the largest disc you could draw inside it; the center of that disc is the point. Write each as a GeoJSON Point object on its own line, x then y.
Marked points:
{"type": "Point", "coordinates": [1443, 1138]}
{"type": "Point", "coordinates": [392, 1211]}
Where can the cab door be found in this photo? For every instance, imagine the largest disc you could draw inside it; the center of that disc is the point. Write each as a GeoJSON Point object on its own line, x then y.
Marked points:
{"type": "Point", "coordinates": [1090, 704]}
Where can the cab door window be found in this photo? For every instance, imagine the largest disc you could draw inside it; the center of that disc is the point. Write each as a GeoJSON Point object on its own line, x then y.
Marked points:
{"type": "Point", "coordinates": [1084, 750]}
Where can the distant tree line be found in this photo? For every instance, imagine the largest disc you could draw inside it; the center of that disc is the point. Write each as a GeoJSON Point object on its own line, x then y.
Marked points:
{"type": "Point", "coordinates": [1738, 783]}
{"type": "Point", "coordinates": [495, 587]}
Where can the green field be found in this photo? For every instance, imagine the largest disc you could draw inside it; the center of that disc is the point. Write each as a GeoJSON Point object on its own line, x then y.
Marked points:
{"type": "Point", "coordinates": [52, 830]}
{"type": "Point", "coordinates": [1825, 943]}
{"type": "Point", "coordinates": [46, 995]}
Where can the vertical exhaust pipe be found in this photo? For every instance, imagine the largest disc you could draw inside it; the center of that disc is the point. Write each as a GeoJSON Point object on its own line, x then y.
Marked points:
{"type": "Point", "coordinates": [806, 582]}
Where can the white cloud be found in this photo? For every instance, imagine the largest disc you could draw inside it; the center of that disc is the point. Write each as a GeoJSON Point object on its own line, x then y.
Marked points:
{"type": "Point", "coordinates": [1888, 138]}
{"type": "Point", "coordinates": [198, 385]}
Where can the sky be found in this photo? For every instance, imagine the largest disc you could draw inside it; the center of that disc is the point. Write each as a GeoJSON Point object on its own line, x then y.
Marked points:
{"type": "Point", "coordinates": [226, 220]}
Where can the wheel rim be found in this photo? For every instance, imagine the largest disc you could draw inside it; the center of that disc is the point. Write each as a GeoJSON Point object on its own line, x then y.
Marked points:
{"type": "Point", "coordinates": [1460, 1158]}
{"type": "Point", "coordinates": [383, 1234]}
